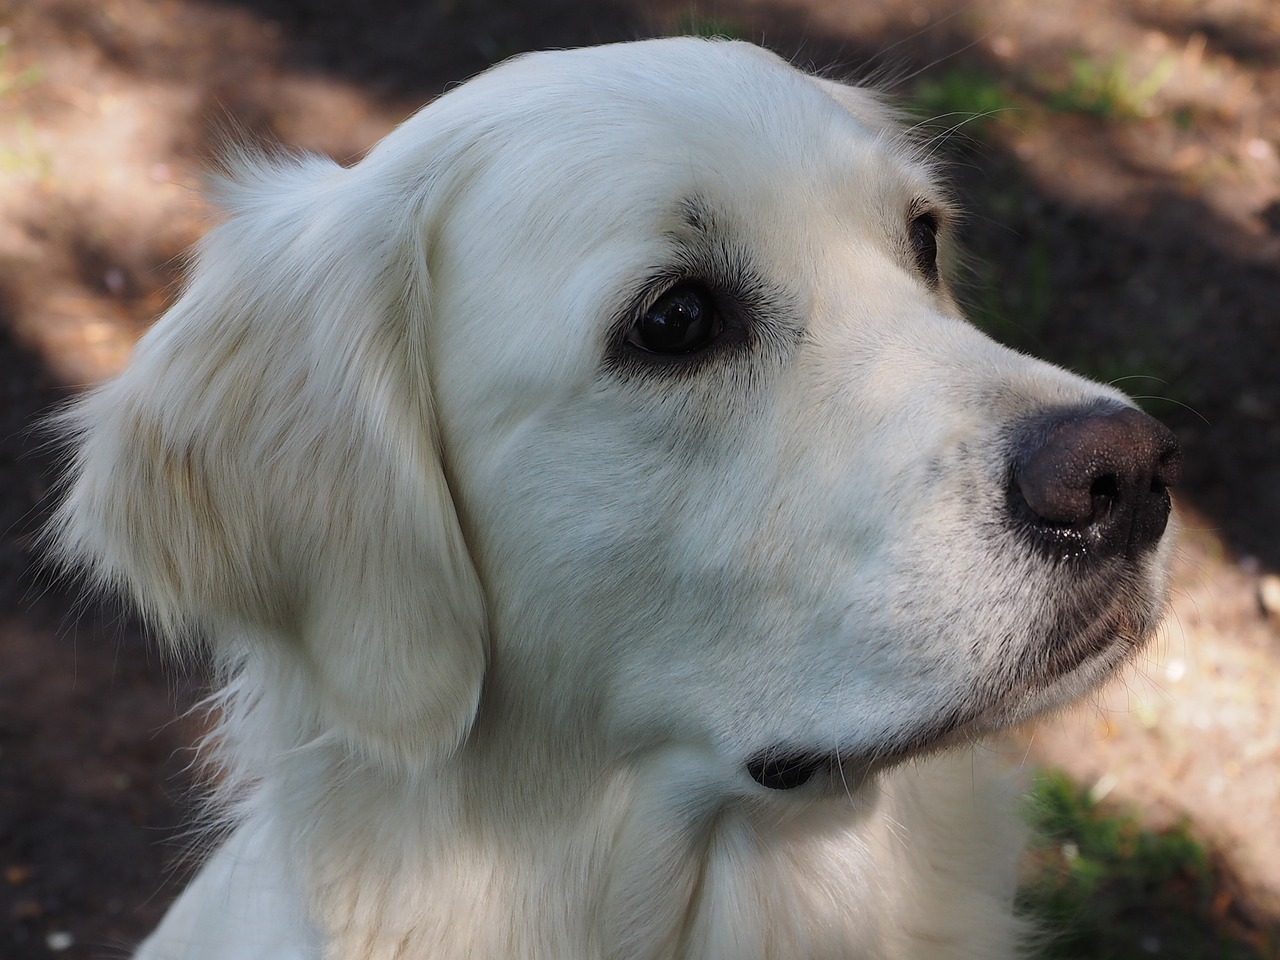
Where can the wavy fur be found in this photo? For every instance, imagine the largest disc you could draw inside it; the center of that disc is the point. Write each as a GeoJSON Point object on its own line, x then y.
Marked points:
{"type": "Point", "coordinates": [505, 608]}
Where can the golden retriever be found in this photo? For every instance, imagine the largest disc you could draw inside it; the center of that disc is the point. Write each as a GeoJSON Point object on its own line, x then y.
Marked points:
{"type": "Point", "coordinates": [612, 540]}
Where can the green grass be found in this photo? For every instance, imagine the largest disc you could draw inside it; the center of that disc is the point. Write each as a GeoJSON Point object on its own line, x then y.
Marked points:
{"type": "Point", "coordinates": [968, 97]}
{"type": "Point", "coordinates": [1103, 887]}
{"type": "Point", "coordinates": [21, 153]}
{"type": "Point", "coordinates": [1112, 91]}
{"type": "Point", "coordinates": [693, 24]}
{"type": "Point", "coordinates": [12, 81]}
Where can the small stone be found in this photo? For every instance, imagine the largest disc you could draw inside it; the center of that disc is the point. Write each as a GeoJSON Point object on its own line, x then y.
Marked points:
{"type": "Point", "coordinates": [1102, 789]}
{"type": "Point", "coordinates": [59, 940]}
{"type": "Point", "coordinates": [1269, 595]}
{"type": "Point", "coordinates": [1260, 149]}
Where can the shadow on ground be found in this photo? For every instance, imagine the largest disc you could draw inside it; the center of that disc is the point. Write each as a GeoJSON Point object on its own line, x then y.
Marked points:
{"type": "Point", "coordinates": [1122, 273]}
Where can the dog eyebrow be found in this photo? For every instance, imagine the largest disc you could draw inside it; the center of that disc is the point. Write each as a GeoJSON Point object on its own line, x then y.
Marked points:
{"type": "Point", "coordinates": [931, 199]}
{"type": "Point", "coordinates": [696, 213]}
{"type": "Point", "coordinates": [702, 246]}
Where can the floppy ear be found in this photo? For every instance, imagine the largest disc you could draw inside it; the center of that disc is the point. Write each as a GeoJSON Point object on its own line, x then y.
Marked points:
{"type": "Point", "coordinates": [267, 470]}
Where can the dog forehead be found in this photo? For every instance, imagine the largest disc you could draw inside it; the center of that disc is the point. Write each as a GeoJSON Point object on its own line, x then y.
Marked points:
{"type": "Point", "coordinates": [673, 77]}
{"type": "Point", "coordinates": [618, 123]}
{"type": "Point", "coordinates": [585, 148]}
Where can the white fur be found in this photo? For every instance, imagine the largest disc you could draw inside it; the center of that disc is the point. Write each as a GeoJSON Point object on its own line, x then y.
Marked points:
{"type": "Point", "coordinates": [503, 609]}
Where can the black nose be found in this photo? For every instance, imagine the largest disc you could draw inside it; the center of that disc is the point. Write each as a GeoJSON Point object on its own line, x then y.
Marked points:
{"type": "Point", "coordinates": [1094, 481]}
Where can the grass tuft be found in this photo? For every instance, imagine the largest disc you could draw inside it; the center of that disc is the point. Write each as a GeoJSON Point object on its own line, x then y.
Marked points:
{"type": "Point", "coordinates": [1112, 91]}
{"type": "Point", "coordinates": [692, 24]}
{"type": "Point", "coordinates": [967, 96]}
{"type": "Point", "coordinates": [12, 81]}
{"type": "Point", "coordinates": [1103, 887]}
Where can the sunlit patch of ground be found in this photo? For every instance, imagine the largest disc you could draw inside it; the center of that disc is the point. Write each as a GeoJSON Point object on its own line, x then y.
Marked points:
{"type": "Point", "coordinates": [1131, 227]}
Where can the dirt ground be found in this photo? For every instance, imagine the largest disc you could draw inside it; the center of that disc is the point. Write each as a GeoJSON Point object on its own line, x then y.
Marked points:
{"type": "Point", "coordinates": [1125, 188]}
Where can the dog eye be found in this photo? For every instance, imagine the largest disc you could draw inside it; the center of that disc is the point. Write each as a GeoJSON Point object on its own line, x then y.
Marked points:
{"type": "Point", "coordinates": [682, 320]}
{"type": "Point", "coordinates": [923, 237]}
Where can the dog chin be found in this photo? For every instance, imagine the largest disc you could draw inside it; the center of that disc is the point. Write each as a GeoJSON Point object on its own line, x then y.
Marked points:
{"type": "Point", "coordinates": [1094, 655]}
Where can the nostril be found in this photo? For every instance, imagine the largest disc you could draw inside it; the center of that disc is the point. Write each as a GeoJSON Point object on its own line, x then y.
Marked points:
{"type": "Point", "coordinates": [1093, 481]}
{"type": "Point", "coordinates": [1103, 494]}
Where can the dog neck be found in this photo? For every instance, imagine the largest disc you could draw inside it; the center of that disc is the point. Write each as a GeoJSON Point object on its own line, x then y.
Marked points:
{"type": "Point", "coordinates": [557, 853]}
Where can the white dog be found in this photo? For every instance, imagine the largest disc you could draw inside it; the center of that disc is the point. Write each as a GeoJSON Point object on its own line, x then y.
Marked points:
{"type": "Point", "coordinates": [602, 518]}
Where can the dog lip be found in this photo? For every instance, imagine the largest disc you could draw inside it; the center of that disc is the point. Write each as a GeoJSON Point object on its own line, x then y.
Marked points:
{"type": "Point", "coordinates": [1110, 634]}
{"type": "Point", "coordinates": [783, 770]}
{"type": "Point", "coordinates": [788, 768]}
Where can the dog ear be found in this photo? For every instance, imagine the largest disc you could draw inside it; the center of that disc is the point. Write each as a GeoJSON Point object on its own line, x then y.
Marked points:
{"type": "Point", "coordinates": [267, 470]}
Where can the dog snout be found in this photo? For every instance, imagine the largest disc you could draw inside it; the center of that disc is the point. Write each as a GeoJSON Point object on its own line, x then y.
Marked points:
{"type": "Point", "coordinates": [1094, 482]}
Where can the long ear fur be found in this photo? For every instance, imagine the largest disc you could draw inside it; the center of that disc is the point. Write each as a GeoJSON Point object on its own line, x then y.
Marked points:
{"type": "Point", "coordinates": [267, 472]}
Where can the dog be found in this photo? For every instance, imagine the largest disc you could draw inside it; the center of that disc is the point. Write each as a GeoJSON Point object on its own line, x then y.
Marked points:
{"type": "Point", "coordinates": [610, 537]}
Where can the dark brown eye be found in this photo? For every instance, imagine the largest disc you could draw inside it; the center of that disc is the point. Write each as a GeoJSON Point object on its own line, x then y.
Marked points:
{"type": "Point", "coordinates": [682, 320]}
{"type": "Point", "coordinates": [922, 234]}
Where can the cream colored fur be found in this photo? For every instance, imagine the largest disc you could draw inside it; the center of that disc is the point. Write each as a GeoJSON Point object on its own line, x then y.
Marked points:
{"type": "Point", "coordinates": [503, 609]}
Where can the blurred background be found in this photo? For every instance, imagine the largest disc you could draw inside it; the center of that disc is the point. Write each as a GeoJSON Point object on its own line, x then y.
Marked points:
{"type": "Point", "coordinates": [1121, 162]}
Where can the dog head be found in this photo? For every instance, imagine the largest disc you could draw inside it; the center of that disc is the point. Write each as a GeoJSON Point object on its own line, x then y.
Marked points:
{"type": "Point", "coordinates": [626, 384]}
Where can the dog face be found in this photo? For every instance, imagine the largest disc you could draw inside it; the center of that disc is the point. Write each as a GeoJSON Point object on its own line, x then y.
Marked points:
{"type": "Point", "coordinates": [621, 391]}
{"type": "Point", "coordinates": [731, 464]}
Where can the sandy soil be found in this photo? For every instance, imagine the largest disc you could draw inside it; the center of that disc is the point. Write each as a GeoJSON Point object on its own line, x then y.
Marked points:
{"type": "Point", "coordinates": [1127, 222]}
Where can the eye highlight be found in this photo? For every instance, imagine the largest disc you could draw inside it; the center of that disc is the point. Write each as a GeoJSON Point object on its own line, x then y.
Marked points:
{"type": "Point", "coordinates": [922, 236]}
{"type": "Point", "coordinates": [684, 320]}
